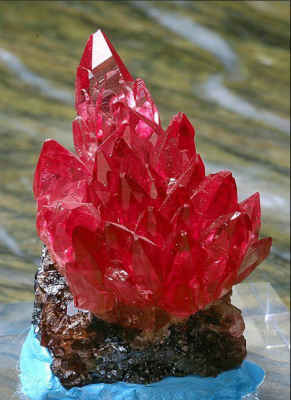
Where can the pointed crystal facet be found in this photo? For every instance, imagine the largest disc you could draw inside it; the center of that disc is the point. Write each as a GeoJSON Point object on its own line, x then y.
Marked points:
{"type": "Point", "coordinates": [100, 63]}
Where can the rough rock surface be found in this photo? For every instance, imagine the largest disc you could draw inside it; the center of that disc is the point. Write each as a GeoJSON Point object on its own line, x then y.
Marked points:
{"type": "Point", "coordinates": [87, 350]}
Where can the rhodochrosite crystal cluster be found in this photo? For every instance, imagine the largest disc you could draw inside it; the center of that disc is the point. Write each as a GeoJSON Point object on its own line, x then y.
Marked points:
{"type": "Point", "coordinates": [143, 237]}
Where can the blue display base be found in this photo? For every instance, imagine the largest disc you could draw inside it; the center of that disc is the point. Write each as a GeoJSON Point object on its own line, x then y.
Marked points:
{"type": "Point", "coordinates": [39, 383]}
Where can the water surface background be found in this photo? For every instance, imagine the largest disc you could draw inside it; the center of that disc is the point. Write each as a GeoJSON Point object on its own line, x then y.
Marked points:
{"type": "Point", "coordinates": [225, 63]}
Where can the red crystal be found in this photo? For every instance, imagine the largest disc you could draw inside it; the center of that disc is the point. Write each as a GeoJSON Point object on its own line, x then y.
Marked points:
{"type": "Point", "coordinates": [135, 225]}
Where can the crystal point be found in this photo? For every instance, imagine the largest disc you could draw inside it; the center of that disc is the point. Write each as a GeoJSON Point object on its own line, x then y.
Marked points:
{"type": "Point", "coordinates": [132, 221]}
{"type": "Point", "coordinates": [100, 59]}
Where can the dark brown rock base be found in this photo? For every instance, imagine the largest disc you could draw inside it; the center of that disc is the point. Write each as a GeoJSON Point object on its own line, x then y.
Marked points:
{"type": "Point", "coordinates": [87, 350]}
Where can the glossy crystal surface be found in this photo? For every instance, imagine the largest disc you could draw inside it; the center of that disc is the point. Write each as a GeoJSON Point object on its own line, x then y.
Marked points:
{"type": "Point", "coordinates": [132, 221]}
{"type": "Point", "coordinates": [268, 338]}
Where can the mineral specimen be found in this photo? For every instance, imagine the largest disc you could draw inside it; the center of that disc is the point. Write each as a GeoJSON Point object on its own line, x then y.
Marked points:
{"type": "Point", "coordinates": [142, 248]}
{"type": "Point", "coordinates": [143, 237]}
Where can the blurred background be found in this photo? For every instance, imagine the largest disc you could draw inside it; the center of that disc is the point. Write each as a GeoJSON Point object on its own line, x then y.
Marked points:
{"type": "Point", "coordinates": [226, 64]}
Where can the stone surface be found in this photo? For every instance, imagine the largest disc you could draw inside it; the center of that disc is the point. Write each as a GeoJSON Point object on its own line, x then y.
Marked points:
{"type": "Point", "coordinates": [142, 235]}
{"type": "Point", "coordinates": [88, 350]}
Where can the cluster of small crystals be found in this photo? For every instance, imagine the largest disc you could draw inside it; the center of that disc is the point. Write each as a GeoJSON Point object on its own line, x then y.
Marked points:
{"type": "Point", "coordinates": [133, 223]}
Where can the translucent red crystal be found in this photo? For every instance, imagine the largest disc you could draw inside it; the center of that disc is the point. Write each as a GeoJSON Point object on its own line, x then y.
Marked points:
{"type": "Point", "coordinates": [141, 234]}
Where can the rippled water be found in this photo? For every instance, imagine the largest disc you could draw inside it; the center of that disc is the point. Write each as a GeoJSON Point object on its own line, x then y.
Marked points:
{"type": "Point", "coordinates": [226, 64]}
{"type": "Point", "coordinates": [9, 242]}
{"type": "Point", "coordinates": [197, 34]}
{"type": "Point", "coordinates": [216, 91]}
{"type": "Point", "coordinates": [14, 65]}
